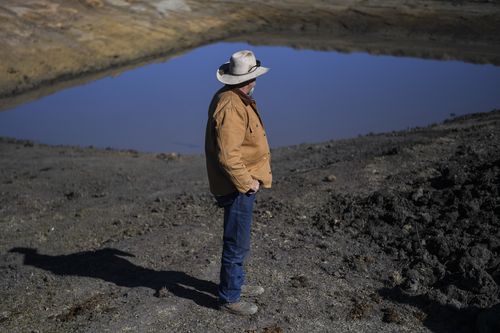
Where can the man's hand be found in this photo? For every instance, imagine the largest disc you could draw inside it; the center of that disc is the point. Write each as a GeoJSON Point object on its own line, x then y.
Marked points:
{"type": "Point", "coordinates": [254, 187]}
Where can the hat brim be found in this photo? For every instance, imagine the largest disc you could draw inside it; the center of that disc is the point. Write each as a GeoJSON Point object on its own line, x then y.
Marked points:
{"type": "Point", "coordinates": [226, 78]}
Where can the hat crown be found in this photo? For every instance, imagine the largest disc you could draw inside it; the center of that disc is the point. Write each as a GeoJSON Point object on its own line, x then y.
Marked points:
{"type": "Point", "coordinates": [242, 62]}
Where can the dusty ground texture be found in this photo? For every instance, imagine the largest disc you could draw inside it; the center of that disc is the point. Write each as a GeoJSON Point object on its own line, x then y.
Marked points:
{"type": "Point", "coordinates": [396, 232]}
{"type": "Point", "coordinates": [52, 44]}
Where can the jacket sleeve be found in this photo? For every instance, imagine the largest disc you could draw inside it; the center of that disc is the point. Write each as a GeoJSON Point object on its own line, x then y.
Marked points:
{"type": "Point", "coordinates": [231, 123]}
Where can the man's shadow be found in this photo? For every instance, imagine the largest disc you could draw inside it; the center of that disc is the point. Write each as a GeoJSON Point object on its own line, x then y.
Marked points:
{"type": "Point", "coordinates": [107, 264]}
{"type": "Point", "coordinates": [438, 318]}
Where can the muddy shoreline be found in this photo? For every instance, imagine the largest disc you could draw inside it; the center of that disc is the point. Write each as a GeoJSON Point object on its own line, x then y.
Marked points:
{"type": "Point", "coordinates": [56, 44]}
{"type": "Point", "coordinates": [390, 232]}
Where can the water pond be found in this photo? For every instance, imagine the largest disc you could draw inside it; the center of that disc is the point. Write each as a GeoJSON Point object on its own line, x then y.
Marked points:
{"type": "Point", "coordinates": [308, 96]}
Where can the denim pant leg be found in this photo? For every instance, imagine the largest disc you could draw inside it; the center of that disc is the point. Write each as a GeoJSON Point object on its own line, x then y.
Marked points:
{"type": "Point", "coordinates": [238, 209]}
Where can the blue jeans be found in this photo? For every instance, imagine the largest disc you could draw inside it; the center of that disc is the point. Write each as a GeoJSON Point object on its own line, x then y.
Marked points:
{"type": "Point", "coordinates": [238, 208]}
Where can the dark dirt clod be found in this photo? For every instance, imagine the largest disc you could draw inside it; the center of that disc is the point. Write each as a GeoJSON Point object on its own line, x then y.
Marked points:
{"type": "Point", "coordinates": [86, 306]}
{"type": "Point", "coordinates": [273, 329]}
{"type": "Point", "coordinates": [300, 281]}
{"type": "Point", "coordinates": [391, 316]}
{"type": "Point", "coordinates": [162, 292]}
{"type": "Point", "coordinates": [360, 310]}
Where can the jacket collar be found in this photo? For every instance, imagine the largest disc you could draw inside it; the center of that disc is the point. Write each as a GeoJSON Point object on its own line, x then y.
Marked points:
{"type": "Point", "coordinates": [247, 100]}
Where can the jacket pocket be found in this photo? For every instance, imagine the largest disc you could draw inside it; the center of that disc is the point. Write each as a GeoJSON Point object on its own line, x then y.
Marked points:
{"type": "Point", "coordinates": [257, 163]}
{"type": "Point", "coordinates": [251, 129]}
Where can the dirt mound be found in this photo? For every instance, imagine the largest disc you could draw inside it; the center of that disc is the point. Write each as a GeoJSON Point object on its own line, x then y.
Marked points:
{"type": "Point", "coordinates": [443, 230]}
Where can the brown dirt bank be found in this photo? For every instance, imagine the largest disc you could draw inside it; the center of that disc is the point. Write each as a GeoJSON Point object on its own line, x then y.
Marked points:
{"type": "Point", "coordinates": [50, 43]}
{"type": "Point", "coordinates": [395, 232]}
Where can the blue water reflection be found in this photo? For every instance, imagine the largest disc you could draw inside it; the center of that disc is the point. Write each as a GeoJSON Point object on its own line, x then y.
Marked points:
{"type": "Point", "coordinates": [308, 96]}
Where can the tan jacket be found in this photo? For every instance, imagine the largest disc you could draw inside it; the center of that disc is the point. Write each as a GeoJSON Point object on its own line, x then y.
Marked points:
{"type": "Point", "coordinates": [236, 145]}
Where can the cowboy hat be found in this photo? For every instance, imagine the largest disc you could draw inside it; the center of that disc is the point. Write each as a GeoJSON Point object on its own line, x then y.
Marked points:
{"type": "Point", "coordinates": [241, 67]}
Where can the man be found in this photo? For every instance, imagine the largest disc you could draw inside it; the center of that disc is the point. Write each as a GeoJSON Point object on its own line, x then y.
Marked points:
{"type": "Point", "coordinates": [238, 165]}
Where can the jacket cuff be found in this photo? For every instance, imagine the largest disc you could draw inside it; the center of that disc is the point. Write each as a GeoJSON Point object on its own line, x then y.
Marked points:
{"type": "Point", "coordinates": [245, 187]}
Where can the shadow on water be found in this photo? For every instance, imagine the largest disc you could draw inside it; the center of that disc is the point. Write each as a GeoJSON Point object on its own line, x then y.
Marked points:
{"type": "Point", "coordinates": [109, 265]}
{"type": "Point", "coordinates": [439, 318]}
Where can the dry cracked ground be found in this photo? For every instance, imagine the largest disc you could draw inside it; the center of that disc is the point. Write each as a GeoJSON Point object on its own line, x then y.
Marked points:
{"type": "Point", "coordinates": [396, 232]}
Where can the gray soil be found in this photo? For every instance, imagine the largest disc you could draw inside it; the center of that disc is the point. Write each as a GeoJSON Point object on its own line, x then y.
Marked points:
{"type": "Point", "coordinates": [394, 232]}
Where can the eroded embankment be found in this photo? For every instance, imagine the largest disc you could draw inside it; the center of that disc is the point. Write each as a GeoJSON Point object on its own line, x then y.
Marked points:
{"type": "Point", "coordinates": [54, 44]}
